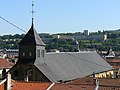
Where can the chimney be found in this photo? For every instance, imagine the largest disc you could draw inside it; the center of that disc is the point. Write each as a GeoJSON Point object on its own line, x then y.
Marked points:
{"type": "Point", "coordinates": [8, 81]}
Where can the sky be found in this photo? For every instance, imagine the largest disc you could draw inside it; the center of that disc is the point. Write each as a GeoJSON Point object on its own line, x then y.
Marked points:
{"type": "Point", "coordinates": [60, 16]}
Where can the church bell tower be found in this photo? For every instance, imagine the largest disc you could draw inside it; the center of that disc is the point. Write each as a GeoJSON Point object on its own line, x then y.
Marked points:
{"type": "Point", "coordinates": [31, 47]}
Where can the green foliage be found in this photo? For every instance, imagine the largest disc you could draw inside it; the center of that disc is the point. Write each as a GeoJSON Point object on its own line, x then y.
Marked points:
{"type": "Point", "coordinates": [11, 41]}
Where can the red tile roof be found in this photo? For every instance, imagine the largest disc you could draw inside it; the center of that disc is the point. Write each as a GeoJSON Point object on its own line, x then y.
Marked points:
{"type": "Point", "coordinates": [79, 84]}
{"type": "Point", "coordinates": [113, 60]}
{"type": "Point", "coordinates": [86, 83]}
{"type": "Point", "coordinates": [30, 85]}
{"type": "Point", "coordinates": [85, 80]}
{"type": "Point", "coordinates": [114, 63]}
{"type": "Point", "coordinates": [72, 87]}
{"type": "Point", "coordinates": [5, 64]}
{"type": "Point", "coordinates": [109, 84]}
{"type": "Point", "coordinates": [116, 67]}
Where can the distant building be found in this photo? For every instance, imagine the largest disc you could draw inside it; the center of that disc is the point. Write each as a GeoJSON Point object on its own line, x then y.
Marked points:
{"type": "Point", "coordinates": [115, 63]}
{"type": "Point", "coordinates": [86, 37]}
{"type": "Point", "coordinates": [86, 32]}
{"type": "Point", "coordinates": [108, 54]}
{"type": "Point", "coordinates": [11, 53]}
{"type": "Point", "coordinates": [75, 46]}
{"type": "Point", "coordinates": [56, 36]}
{"type": "Point", "coordinates": [104, 37]}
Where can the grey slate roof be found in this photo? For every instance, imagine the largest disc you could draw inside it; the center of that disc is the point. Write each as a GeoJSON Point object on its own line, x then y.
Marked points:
{"type": "Point", "coordinates": [71, 65]}
{"type": "Point", "coordinates": [32, 38]}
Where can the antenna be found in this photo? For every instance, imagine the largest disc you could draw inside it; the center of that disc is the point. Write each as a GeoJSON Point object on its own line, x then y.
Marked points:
{"type": "Point", "coordinates": [32, 10]}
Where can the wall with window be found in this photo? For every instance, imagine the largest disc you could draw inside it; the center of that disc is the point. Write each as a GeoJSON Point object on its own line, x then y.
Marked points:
{"type": "Point", "coordinates": [40, 51]}
{"type": "Point", "coordinates": [27, 52]}
{"type": "Point", "coordinates": [27, 71]}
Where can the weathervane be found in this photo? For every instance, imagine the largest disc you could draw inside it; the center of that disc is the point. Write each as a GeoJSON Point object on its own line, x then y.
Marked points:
{"type": "Point", "coordinates": [32, 10]}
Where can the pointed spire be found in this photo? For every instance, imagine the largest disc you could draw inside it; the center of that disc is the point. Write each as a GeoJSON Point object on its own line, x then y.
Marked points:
{"type": "Point", "coordinates": [32, 36]}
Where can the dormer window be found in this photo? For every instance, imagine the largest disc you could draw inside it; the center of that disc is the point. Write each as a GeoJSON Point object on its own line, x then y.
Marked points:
{"type": "Point", "coordinates": [42, 53]}
{"type": "Point", "coordinates": [38, 53]}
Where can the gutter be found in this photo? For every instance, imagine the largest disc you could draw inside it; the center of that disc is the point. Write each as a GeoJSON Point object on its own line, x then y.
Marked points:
{"type": "Point", "coordinates": [2, 81]}
{"type": "Point", "coordinates": [96, 84]}
{"type": "Point", "coordinates": [50, 86]}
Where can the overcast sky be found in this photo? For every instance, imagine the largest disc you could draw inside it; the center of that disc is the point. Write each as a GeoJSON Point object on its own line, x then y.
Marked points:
{"type": "Point", "coordinates": [59, 16]}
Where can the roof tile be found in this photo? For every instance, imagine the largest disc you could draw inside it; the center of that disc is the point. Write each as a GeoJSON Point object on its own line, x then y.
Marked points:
{"type": "Point", "coordinates": [5, 64]}
{"type": "Point", "coordinates": [30, 86]}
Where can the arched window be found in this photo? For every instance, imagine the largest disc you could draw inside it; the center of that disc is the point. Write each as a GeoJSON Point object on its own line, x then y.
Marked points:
{"type": "Point", "coordinates": [23, 53]}
{"type": "Point", "coordinates": [30, 54]}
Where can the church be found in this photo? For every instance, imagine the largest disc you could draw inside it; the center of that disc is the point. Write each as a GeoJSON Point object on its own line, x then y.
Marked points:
{"type": "Point", "coordinates": [34, 64]}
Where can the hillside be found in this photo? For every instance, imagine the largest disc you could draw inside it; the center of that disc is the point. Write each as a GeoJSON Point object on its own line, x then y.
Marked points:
{"type": "Point", "coordinates": [66, 41]}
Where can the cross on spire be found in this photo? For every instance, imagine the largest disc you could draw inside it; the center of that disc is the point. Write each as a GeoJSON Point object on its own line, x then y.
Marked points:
{"type": "Point", "coordinates": [32, 10]}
